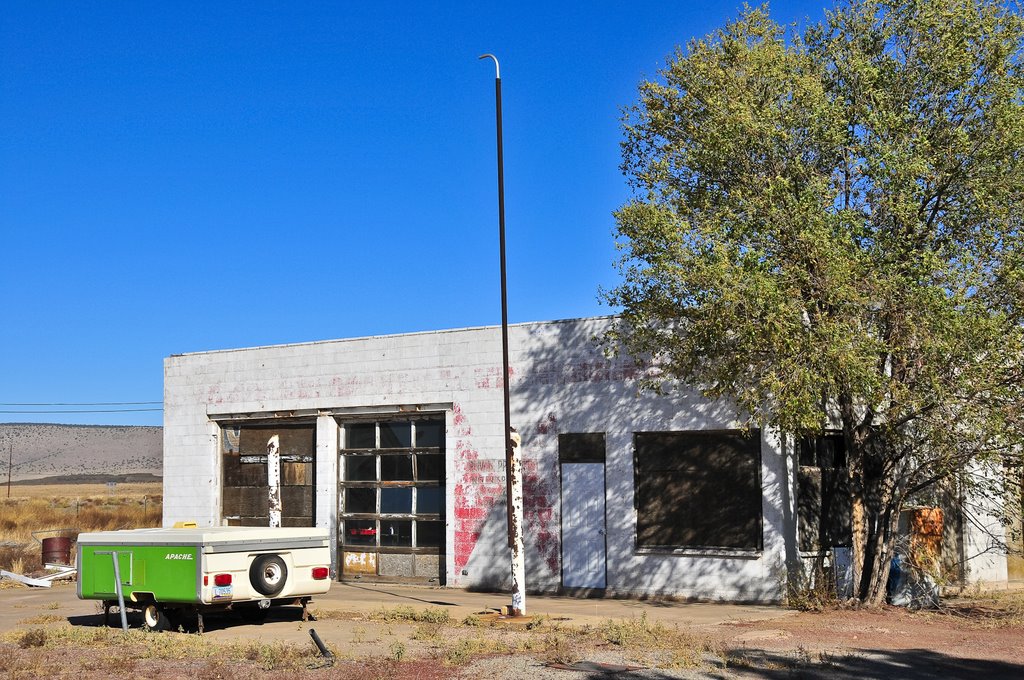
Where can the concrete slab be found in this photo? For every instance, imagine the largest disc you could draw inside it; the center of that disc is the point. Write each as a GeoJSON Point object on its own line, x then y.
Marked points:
{"type": "Point", "coordinates": [579, 611]}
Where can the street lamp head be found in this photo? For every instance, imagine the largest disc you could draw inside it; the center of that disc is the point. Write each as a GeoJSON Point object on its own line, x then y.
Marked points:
{"type": "Point", "coordinates": [497, 68]}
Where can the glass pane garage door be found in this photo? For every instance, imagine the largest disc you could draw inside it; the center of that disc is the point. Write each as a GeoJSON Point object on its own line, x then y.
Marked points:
{"type": "Point", "coordinates": [391, 497]}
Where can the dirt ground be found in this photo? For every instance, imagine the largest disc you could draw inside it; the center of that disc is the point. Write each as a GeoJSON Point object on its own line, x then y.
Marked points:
{"type": "Point", "coordinates": [968, 632]}
{"type": "Point", "coordinates": [981, 637]}
{"type": "Point", "coordinates": [437, 633]}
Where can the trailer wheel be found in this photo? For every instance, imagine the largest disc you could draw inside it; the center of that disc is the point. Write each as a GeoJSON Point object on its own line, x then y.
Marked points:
{"type": "Point", "coordinates": [154, 618]}
{"type": "Point", "coordinates": [268, 574]}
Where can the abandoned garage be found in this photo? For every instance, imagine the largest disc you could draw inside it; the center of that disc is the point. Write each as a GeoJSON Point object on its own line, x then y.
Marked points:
{"type": "Point", "coordinates": [395, 444]}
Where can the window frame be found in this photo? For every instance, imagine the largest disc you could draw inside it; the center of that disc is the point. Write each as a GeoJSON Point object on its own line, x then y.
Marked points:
{"type": "Point", "coordinates": [415, 517]}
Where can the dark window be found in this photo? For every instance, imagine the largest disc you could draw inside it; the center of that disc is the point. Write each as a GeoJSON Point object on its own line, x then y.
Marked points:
{"type": "Point", "coordinates": [395, 533]}
{"type": "Point", "coordinates": [362, 501]}
{"type": "Point", "coordinates": [360, 468]}
{"type": "Point", "coordinates": [429, 467]}
{"type": "Point", "coordinates": [430, 433]}
{"type": "Point", "coordinates": [396, 500]}
{"type": "Point", "coordinates": [429, 534]}
{"type": "Point", "coordinates": [698, 489]}
{"type": "Point", "coordinates": [395, 435]}
{"type": "Point", "coordinates": [429, 500]}
{"type": "Point", "coordinates": [823, 495]}
{"type": "Point", "coordinates": [360, 532]}
{"type": "Point", "coordinates": [361, 436]}
{"type": "Point", "coordinates": [826, 451]}
{"type": "Point", "coordinates": [396, 468]}
{"type": "Point", "coordinates": [581, 448]}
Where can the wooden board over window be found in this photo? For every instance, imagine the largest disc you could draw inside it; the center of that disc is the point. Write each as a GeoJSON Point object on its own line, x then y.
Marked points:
{"type": "Point", "coordinates": [699, 489]}
{"type": "Point", "coordinates": [244, 465]}
{"type": "Point", "coordinates": [823, 493]}
{"type": "Point", "coordinates": [583, 447]}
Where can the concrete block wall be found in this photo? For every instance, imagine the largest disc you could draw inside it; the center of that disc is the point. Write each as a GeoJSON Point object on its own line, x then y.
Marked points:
{"type": "Point", "coordinates": [560, 383]}
{"type": "Point", "coordinates": [984, 541]}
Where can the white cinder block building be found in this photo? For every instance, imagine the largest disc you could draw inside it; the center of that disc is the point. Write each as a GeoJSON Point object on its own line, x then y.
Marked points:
{"type": "Point", "coordinates": [395, 444]}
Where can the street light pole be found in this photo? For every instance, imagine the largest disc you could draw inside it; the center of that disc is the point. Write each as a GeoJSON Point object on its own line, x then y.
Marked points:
{"type": "Point", "coordinates": [513, 462]}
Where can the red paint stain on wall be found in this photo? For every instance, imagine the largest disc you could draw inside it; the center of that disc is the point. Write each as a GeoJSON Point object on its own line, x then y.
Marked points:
{"type": "Point", "coordinates": [539, 497]}
{"type": "Point", "coordinates": [479, 484]}
{"type": "Point", "coordinates": [490, 378]}
{"type": "Point", "coordinates": [548, 425]}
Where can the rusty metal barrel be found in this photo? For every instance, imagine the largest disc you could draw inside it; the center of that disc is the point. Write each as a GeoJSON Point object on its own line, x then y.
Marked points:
{"type": "Point", "coordinates": [57, 550]}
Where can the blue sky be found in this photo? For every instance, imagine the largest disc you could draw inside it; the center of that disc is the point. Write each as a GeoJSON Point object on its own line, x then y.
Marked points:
{"type": "Point", "coordinates": [178, 177]}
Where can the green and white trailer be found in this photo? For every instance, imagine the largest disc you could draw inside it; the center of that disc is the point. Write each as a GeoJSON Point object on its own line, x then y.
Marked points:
{"type": "Point", "coordinates": [170, 573]}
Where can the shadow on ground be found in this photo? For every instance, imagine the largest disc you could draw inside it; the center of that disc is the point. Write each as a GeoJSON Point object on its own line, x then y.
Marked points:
{"type": "Point", "coordinates": [905, 664]}
{"type": "Point", "coordinates": [189, 624]}
{"type": "Point", "coordinates": [439, 603]}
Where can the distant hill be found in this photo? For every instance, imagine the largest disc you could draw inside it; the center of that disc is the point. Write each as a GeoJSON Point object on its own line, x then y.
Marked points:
{"type": "Point", "coordinates": [130, 478]}
{"type": "Point", "coordinates": [45, 450]}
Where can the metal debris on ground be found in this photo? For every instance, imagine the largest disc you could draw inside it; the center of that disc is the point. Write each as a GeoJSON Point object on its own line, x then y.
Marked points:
{"type": "Point", "coordinates": [27, 580]}
{"type": "Point", "coordinates": [328, 658]}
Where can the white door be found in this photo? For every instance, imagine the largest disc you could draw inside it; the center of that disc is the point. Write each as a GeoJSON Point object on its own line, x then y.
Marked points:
{"type": "Point", "coordinates": [583, 547]}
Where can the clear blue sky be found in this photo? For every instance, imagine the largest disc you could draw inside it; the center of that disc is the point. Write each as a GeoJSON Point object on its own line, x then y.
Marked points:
{"type": "Point", "coordinates": [178, 177]}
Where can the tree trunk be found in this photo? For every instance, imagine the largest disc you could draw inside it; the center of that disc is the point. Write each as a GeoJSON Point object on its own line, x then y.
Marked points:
{"type": "Point", "coordinates": [872, 512]}
{"type": "Point", "coordinates": [878, 504]}
{"type": "Point", "coordinates": [876, 576]}
{"type": "Point", "coordinates": [858, 533]}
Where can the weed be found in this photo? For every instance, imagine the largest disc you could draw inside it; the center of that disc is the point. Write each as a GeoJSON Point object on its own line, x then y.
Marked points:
{"type": "Point", "coordinates": [334, 615]}
{"type": "Point", "coordinates": [464, 650]}
{"type": "Point", "coordinates": [460, 653]}
{"type": "Point", "coordinates": [36, 637]}
{"type": "Point", "coordinates": [118, 665]}
{"type": "Point", "coordinates": [358, 634]}
{"type": "Point", "coordinates": [813, 590]}
{"type": "Point", "coordinates": [537, 622]}
{"type": "Point", "coordinates": [42, 618]}
{"type": "Point", "coordinates": [471, 620]}
{"type": "Point", "coordinates": [561, 648]}
{"type": "Point", "coordinates": [428, 615]}
{"type": "Point", "coordinates": [430, 632]}
{"type": "Point", "coordinates": [633, 632]}
{"type": "Point", "coordinates": [397, 650]}
{"type": "Point", "coordinates": [52, 605]}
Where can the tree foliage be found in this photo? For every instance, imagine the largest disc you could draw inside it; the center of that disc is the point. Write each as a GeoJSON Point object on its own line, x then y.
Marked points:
{"type": "Point", "coordinates": [826, 229]}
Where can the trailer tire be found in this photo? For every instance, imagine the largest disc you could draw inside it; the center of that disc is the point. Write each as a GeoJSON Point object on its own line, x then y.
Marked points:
{"type": "Point", "coordinates": [154, 618]}
{"type": "Point", "coordinates": [268, 574]}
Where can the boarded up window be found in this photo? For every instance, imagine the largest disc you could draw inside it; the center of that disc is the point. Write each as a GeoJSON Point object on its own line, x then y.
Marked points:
{"type": "Point", "coordinates": [823, 495]}
{"type": "Point", "coordinates": [698, 489]}
{"type": "Point", "coordinates": [245, 499]}
{"type": "Point", "coordinates": [581, 447]}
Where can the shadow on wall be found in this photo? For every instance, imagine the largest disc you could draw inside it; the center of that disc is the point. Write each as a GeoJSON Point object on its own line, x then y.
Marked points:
{"type": "Point", "coordinates": [564, 383]}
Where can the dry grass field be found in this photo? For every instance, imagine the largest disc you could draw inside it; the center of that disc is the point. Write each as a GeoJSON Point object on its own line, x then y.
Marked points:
{"type": "Point", "coordinates": [34, 512]}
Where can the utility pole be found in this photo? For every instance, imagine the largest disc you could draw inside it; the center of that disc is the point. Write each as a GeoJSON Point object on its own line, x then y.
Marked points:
{"type": "Point", "coordinates": [513, 462]}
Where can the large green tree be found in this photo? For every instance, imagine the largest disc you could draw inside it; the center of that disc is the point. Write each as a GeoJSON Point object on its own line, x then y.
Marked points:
{"type": "Point", "coordinates": [826, 229]}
